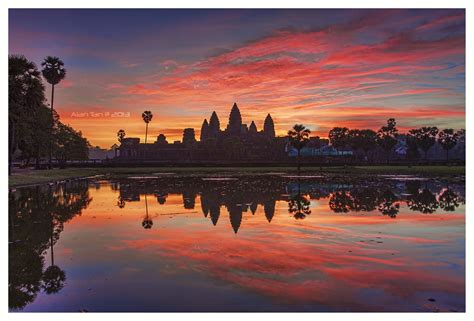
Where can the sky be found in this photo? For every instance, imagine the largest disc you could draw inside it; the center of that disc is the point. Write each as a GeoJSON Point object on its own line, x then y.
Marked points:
{"type": "Point", "coordinates": [319, 67]}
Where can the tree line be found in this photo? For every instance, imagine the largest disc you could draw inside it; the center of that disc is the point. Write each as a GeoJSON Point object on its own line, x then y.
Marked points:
{"type": "Point", "coordinates": [35, 129]}
{"type": "Point", "coordinates": [386, 138]}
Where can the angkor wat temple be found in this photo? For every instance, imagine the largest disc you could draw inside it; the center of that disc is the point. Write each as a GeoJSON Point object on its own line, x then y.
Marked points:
{"type": "Point", "coordinates": [239, 143]}
{"type": "Point", "coordinates": [236, 142]}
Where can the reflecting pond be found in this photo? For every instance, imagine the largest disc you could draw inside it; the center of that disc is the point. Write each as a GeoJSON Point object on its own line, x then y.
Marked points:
{"type": "Point", "coordinates": [270, 242]}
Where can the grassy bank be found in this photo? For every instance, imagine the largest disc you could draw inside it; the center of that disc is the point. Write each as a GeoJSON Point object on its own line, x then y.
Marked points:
{"type": "Point", "coordinates": [32, 177]}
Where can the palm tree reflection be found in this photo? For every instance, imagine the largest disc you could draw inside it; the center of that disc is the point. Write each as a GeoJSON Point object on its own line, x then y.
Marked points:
{"type": "Point", "coordinates": [422, 200]}
{"type": "Point", "coordinates": [147, 221]}
{"type": "Point", "coordinates": [299, 205]}
{"type": "Point", "coordinates": [120, 202]}
{"type": "Point", "coordinates": [53, 277]}
{"type": "Point", "coordinates": [448, 200]}
{"type": "Point", "coordinates": [388, 204]}
{"type": "Point", "coordinates": [37, 216]}
{"type": "Point", "coordinates": [341, 202]}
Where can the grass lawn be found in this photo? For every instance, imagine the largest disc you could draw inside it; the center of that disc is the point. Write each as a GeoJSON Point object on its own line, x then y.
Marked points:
{"type": "Point", "coordinates": [31, 177]}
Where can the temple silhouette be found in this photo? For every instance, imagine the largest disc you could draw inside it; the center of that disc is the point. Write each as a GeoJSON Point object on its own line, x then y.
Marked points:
{"type": "Point", "coordinates": [238, 141]}
{"type": "Point", "coordinates": [245, 195]}
{"type": "Point", "coordinates": [241, 143]}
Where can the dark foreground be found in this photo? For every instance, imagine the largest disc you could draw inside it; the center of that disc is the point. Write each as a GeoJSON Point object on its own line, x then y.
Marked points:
{"type": "Point", "coordinates": [269, 242]}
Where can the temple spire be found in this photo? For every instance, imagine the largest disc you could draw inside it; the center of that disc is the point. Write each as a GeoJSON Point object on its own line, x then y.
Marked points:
{"type": "Point", "coordinates": [253, 128]}
{"type": "Point", "coordinates": [214, 125]}
{"type": "Point", "coordinates": [204, 131]}
{"type": "Point", "coordinates": [235, 121]}
{"type": "Point", "coordinates": [268, 127]}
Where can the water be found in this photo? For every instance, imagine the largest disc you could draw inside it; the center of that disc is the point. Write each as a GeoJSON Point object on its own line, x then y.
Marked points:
{"type": "Point", "coordinates": [261, 243]}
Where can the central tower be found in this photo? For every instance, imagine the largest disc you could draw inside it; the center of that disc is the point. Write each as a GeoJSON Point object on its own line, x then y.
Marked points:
{"type": "Point", "coordinates": [235, 121]}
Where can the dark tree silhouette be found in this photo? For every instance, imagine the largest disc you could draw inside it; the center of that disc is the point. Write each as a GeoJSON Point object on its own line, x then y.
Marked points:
{"type": "Point", "coordinates": [53, 71]}
{"type": "Point", "coordinates": [53, 279]}
{"type": "Point", "coordinates": [147, 117]}
{"type": "Point", "coordinates": [364, 199]}
{"type": "Point", "coordinates": [341, 202]}
{"type": "Point", "coordinates": [299, 205]}
{"type": "Point", "coordinates": [161, 197]}
{"type": "Point", "coordinates": [388, 204]}
{"type": "Point", "coordinates": [299, 137]}
{"type": "Point", "coordinates": [424, 201]}
{"type": "Point", "coordinates": [387, 137]}
{"type": "Point", "coordinates": [425, 138]}
{"type": "Point", "coordinates": [339, 137]}
{"type": "Point", "coordinates": [120, 202]}
{"type": "Point", "coordinates": [120, 135]}
{"type": "Point", "coordinates": [448, 139]}
{"type": "Point", "coordinates": [28, 116]}
{"type": "Point", "coordinates": [364, 140]}
{"type": "Point", "coordinates": [448, 200]}
{"type": "Point", "coordinates": [70, 144]}
{"type": "Point", "coordinates": [189, 198]}
{"type": "Point", "coordinates": [412, 147]}
{"type": "Point", "coordinates": [37, 217]}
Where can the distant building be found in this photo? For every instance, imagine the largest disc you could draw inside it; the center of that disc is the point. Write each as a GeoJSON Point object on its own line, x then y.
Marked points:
{"type": "Point", "coordinates": [97, 153]}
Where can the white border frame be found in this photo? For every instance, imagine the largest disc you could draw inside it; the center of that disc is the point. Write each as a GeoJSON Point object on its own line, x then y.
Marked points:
{"type": "Point", "coordinates": [6, 4]}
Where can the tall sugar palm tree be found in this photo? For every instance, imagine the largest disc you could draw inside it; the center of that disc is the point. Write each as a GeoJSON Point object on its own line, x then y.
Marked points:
{"type": "Point", "coordinates": [53, 71]}
{"type": "Point", "coordinates": [121, 135]}
{"type": "Point", "coordinates": [299, 137]}
{"type": "Point", "coordinates": [147, 116]}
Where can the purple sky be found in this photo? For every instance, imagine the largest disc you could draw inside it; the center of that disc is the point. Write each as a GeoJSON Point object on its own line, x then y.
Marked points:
{"type": "Point", "coordinates": [322, 68]}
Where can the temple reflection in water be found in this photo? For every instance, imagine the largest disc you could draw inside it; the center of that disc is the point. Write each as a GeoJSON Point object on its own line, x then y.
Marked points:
{"type": "Point", "coordinates": [242, 195]}
{"type": "Point", "coordinates": [37, 215]}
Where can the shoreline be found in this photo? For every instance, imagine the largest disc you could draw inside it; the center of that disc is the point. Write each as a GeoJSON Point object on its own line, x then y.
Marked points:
{"type": "Point", "coordinates": [39, 177]}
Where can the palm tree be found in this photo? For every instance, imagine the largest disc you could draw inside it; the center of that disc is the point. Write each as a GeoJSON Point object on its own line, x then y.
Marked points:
{"type": "Point", "coordinates": [147, 116]}
{"type": "Point", "coordinates": [120, 135]}
{"type": "Point", "coordinates": [298, 137]}
{"type": "Point", "coordinates": [387, 137]}
{"type": "Point", "coordinates": [448, 139]}
{"type": "Point", "coordinates": [53, 71]}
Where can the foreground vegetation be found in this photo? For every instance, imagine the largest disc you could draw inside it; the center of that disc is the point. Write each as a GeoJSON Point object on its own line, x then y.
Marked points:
{"type": "Point", "coordinates": [46, 176]}
{"type": "Point", "coordinates": [35, 129]}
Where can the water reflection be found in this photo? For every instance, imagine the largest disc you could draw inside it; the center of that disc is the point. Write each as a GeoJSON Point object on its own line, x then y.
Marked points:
{"type": "Point", "coordinates": [37, 217]}
{"type": "Point", "coordinates": [239, 196]}
{"type": "Point", "coordinates": [298, 205]}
